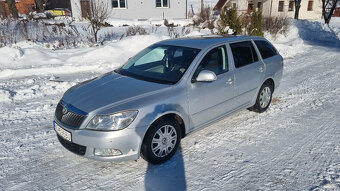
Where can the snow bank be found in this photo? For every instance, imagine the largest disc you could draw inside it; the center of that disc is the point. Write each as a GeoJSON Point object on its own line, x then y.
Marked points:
{"type": "Point", "coordinates": [318, 31]}
{"type": "Point", "coordinates": [198, 33]}
{"type": "Point", "coordinates": [302, 34]}
{"type": "Point", "coordinates": [8, 55]}
{"type": "Point", "coordinates": [148, 22]}
{"type": "Point", "coordinates": [288, 45]}
{"type": "Point", "coordinates": [35, 60]}
{"type": "Point", "coordinates": [30, 59]}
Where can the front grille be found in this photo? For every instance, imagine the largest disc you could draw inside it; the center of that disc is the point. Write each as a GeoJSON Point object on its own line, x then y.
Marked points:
{"type": "Point", "coordinates": [70, 118]}
{"type": "Point", "coordinates": [73, 147]}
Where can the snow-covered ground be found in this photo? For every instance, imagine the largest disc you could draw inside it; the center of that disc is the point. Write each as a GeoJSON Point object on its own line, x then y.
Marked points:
{"type": "Point", "coordinates": [295, 145]}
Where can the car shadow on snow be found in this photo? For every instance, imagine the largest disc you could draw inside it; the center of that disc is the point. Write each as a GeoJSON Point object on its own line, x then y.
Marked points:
{"type": "Point", "coordinates": [318, 33]}
{"type": "Point", "coordinates": [167, 176]}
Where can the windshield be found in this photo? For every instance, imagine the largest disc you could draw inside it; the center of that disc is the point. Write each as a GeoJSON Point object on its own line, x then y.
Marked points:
{"type": "Point", "coordinates": [160, 63]}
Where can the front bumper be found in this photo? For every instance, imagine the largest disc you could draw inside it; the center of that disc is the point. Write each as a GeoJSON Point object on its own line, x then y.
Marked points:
{"type": "Point", "coordinates": [127, 140]}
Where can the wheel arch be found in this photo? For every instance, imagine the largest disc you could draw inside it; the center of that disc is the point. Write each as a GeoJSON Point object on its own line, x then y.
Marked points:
{"type": "Point", "coordinates": [271, 81]}
{"type": "Point", "coordinates": [172, 115]}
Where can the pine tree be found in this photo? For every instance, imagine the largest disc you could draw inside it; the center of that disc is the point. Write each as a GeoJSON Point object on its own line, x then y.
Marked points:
{"type": "Point", "coordinates": [12, 8]}
{"type": "Point", "coordinates": [229, 18]}
{"type": "Point", "coordinates": [255, 28]}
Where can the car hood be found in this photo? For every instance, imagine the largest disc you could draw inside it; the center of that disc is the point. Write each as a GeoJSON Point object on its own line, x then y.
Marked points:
{"type": "Point", "coordinates": [110, 89]}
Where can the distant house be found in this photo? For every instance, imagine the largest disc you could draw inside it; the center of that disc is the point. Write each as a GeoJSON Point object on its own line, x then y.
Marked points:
{"type": "Point", "coordinates": [310, 9]}
{"type": "Point", "coordinates": [27, 6]}
{"type": "Point", "coordinates": [136, 9]}
{"type": "Point", "coordinates": [23, 6]}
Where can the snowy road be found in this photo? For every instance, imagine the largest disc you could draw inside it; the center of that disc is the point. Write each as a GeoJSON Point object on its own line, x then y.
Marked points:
{"type": "Point", "coordinates": [295, 145]}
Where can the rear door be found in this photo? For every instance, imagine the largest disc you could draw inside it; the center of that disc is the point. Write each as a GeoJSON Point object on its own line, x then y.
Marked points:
{"type": "Point", "coordinates": [249, 72]}
{"type": "Point", "coordinates": [210, 100]}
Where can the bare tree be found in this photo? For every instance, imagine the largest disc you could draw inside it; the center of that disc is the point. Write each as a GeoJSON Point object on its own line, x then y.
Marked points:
{"type": "Point", "coordinates": [328, 7]}
{"type": "Point", "coordinates": [98, 11]}
{"type": "Point", "coordinates": [297, 8]}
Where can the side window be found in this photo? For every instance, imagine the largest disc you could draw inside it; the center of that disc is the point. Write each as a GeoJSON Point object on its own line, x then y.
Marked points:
{"type": "Point", "coordinates": [243, 53]}
{"type": "Point", "coordinates": [215, 60]}
{"type": "Point", "coordinates": [116, 4]}
{"type": "Point", "coordinates": [265, 48]}
{"type": "Point", "coordinates": [162, 3]}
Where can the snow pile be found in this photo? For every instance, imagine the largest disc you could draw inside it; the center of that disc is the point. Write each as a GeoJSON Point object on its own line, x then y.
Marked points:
{"type": "Point", "coordinates": [22, 62]}
{"type": "Point", "coordinates": [302, 34]}
{"type": "Point", "coordinates": [8, 55]}
{"type": "Point", "coordinates": [318, 31]}
{"type": "Point", "coordinates": [288, 45]}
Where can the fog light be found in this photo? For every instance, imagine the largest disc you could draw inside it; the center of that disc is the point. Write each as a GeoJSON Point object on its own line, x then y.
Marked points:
{"type": "Point", "coordinates": [107, 152]}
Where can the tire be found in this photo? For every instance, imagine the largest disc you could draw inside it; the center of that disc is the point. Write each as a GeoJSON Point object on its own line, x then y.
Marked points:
{"type": "Point", "coordinates": [159, 146]}
{"type": "Point", "coordinates": [264, 97]}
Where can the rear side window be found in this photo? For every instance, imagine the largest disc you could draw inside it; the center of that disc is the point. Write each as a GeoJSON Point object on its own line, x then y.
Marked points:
{"type": "Point", "coordinates": [243, 53]}
{"type": "Point", "coordinates": [265, 48]}
{"type": "Point", "coordinates": [215, 60]}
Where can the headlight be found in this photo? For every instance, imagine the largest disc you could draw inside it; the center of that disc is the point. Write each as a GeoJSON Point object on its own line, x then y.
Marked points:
{"type": "Point", "coordinates": [116, 121]}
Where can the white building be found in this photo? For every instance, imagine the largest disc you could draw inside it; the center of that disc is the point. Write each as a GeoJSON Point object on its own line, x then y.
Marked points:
{"type": "Point", "coordinates": [310, 9]}
{"type": "Point", "coordinates": [136, 9]}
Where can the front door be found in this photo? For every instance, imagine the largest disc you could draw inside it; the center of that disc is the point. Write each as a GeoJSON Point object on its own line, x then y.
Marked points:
{"type": "Point", "coordinates": [85, 8]}
{"type": "Point", "coordinates": [210, 100]}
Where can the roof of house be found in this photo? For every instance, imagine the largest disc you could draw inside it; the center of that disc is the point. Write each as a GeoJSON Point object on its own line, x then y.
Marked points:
{"type": "Point", "coordinates": [219, 5]}
{"type": "Point", "coordinates": [202, 42]}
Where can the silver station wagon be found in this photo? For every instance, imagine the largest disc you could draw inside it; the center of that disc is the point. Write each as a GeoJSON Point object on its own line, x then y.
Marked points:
{"type": "Point", "coordinates": [166, 91]}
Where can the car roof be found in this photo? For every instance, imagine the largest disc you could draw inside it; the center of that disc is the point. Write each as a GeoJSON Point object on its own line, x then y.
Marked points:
{"type": "Point", "coordinates": [202, 42]}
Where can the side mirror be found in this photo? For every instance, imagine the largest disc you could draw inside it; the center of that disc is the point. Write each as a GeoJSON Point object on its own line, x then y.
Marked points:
{"type": "Point", "coordinates": [206, 76]}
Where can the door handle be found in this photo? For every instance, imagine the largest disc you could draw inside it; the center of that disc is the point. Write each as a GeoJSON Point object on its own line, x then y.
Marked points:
{"type": "Point", "coordinates": [261, 69]}
{"type": "Point", "coordinates": [230, 81]}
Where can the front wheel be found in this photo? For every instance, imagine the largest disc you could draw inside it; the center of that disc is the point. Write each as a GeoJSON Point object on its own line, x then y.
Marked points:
{"type": "Point", "coordinates": [161, 141]}
{"type": "Point", "coordinates": [264, 98]}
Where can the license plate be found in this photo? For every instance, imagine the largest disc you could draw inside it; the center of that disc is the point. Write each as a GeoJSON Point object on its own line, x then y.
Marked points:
{"type": "Point", "coordinates": [62, 132]}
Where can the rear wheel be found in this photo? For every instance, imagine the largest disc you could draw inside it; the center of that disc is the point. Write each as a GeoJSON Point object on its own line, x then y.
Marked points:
{"type": "Point", "coordinates": [161, 141]}
{"type": "Point", "coordinates": [264, 98]}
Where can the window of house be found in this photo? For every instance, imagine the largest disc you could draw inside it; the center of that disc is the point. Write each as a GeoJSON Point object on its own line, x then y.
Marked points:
{"type": "Point", "coordinates": [265, 48]}
{"type": "Point", "coordinates": [162, 3]}
{"type": "Point", "coordinates": [291, 6]}
{"type": "Point", "coordinates": [259, 5]}
{"type": "Point", "coordinates": [234, 5]}
{"type": "Point", "coordinates": [281, 4]}
{"type": "Point", "coordinates": [310, 6]}
{"type": "Point", "coordinates": [215, 60]}
{"type": "Point", "coordinates": [244, 53]}
{"type": "Point", "coordinates": [119, 4]}
{"type": "Point", "coordinates": [250, 6]}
